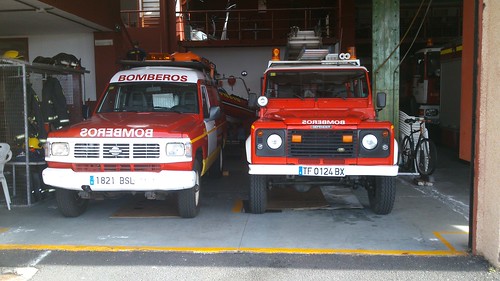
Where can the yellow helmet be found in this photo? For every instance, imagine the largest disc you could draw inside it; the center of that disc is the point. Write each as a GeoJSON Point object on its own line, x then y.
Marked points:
{"type": "Point", "coordinates": [12, 54]}
{"type": "Point", "coordinates": [34, 143]}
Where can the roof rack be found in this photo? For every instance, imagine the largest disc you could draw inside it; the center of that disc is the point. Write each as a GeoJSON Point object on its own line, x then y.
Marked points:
{"type": "Point", "coordinates": [312, 54]}
{"type": "Point", "coordinates": [198, 65]}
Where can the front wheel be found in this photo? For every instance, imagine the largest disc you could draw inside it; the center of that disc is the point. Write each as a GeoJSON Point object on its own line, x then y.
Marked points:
{"type": "Point", "coordinates": [382, 194]}
{"type": "Point", "coordinates": [188, 200]}
{"type": "Point", "coordinates": [426, 157]}
{"type": "Point", "coordinates": [258, 194]}
{"type": "Point", "coordinates": [69, 203]}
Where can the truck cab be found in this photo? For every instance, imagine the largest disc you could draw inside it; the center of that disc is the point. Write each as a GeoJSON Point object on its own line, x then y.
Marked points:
{"type": "Point", "coordinates": [157, 129]}
{"type": "Point", "coordinates": [318, 124]}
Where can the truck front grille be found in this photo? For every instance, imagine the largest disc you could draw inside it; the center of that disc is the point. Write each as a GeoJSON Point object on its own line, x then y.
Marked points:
{"type": "Point", "coordinates": [322, 143]}
{"type": "Point", "coordinates": [117, 150]}
{"type": "Point", "coordinates": [116, 167]}
{"type": "Point", "coordinates": [87, 150]}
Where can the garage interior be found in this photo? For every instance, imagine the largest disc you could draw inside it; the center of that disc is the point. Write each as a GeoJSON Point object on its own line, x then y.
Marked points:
{"type": "Point", "coordinates": [450, 217]}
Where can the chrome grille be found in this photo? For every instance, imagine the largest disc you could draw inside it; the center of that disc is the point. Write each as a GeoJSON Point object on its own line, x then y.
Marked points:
{"type": "Point", "coordinates": [117, 150]}
{"type": "Point", "coordinates": [87, 150]}
{"type": "Point", "coordinates": [146, 150]}
{"type": "Point", "coordinates": [322, 143]}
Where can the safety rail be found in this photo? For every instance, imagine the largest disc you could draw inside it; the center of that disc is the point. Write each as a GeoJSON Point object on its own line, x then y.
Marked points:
{"type": "Point", "coordinates": [239, 24]}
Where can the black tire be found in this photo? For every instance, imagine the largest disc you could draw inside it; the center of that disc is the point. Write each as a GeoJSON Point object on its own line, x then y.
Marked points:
{"type": "Point", "coordinates": [188, 200]}
{"type": "Point", "coordinates": [405, 153]}
{"type": "Point", "coordinates": [258, 194]}
{"type": "Point", "coordinates": [382, 194]}
{"type": "Point", "coordinates": [217, 167]}
{"type": "Point", "coordinates": [36, 186]}
{"type": "Point", "coordinates": [69, 203]}
{"type": "Point", "coordinates": [426, 157]}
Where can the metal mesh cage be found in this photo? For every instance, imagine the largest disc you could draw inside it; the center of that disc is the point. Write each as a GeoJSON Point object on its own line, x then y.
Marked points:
{"type": "Point", "coordinates": [22, 120]}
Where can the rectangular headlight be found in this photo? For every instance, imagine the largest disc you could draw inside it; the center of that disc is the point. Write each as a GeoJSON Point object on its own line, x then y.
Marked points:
{"type": "Point", "coordinates": [59, 149]}
{"type": "Point", "coordinates": [179, 149]}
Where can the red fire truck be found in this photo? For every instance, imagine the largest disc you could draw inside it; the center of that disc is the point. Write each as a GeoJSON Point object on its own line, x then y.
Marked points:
{"type": "Point", "coordinates": [157, 128]}
{"type": "Point", "coordinates": [424, 96]}
{"type": "Point", "coordinates": [317, 125]}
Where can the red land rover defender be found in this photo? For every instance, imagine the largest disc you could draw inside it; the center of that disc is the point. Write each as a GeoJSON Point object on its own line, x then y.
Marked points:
{"type": "Point", "coordinates": [156, 129]}
{"type": "Point", "coordinates": [317, 125]}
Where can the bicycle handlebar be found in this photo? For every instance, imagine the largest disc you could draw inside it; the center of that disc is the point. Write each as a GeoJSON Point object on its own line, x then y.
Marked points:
{"type": "Point", "coordinates": [416, 119]}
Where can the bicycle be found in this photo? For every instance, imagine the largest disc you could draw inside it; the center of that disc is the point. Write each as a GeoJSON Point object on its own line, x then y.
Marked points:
{"type": "Point", "coordinates": [423, 155]}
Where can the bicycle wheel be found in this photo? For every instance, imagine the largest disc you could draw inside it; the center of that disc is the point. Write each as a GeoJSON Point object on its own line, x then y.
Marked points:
{"type": "Point", "coordinates": [426, 157]}
{"type": "Point", "coordinates": [406, 157]}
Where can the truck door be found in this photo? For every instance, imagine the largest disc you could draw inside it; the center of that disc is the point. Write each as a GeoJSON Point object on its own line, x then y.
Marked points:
{"type": "Point", "coordinates": [209, 123]}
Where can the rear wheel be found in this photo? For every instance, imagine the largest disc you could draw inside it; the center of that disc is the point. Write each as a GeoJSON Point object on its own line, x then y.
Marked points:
{"type": "Point", "coordinates": [382, 194]}
{"type": "Point", "coordinates": [258, 194]}
{"type": "Point", "coordinates": [406, 159]}
{"type": "Point", "coordinates": [426, 157]}
{"type": "Point", "coordinates": [69, 203]}
{"type": "Point", "coordinates": [188, 200]}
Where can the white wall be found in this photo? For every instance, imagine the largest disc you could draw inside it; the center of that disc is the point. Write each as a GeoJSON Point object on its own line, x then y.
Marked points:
{"type": "Point", "coordinates": [81, 45]}
{"type": "Point", "coordinates": [232, 61]}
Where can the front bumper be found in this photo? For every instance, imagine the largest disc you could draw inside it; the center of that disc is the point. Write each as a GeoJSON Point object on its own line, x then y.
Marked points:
{"type": "Point", "coordinates": [324, 170]}
{"type": "Point", "coordinates": [119, 181]}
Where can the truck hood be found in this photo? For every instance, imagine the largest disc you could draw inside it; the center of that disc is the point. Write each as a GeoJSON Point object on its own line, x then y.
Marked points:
{"type": "Point", "coordinates": [131, 124]}
{"type": "Point", "coordinates": [318, 117]}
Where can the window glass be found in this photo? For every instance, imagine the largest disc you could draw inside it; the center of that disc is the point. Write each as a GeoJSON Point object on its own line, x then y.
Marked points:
{"type": "Point", "coordinates": [206, 101]}
{"type": "Point", "coordinates": [317, 84]}
{"type": "Point", "coordinates": [150, 97]}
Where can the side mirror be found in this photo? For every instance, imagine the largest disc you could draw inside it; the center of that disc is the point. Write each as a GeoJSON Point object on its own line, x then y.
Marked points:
{"type": "Point", "coordinates": [214, 113]}
{"type": "Point", "coordinates": [85, 112]}
{"type": "Point", "coordinates": [381, 100]}
{"type": "Point", "coordinates": [252, 100]}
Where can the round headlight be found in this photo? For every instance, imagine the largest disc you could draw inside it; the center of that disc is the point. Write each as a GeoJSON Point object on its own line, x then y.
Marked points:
{"type": "Point", "coordinates": [274, 141]}
{"type": "Point", "coordinates": [262, 101]}
{"type": "Point", "coordinates": [369, 141]}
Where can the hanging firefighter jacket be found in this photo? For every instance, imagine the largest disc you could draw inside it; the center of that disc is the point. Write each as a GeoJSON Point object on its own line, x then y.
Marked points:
{"type": "Point", "coordinates": [14, 109]}
{"type": "Point", "coordinates": [54, 105]}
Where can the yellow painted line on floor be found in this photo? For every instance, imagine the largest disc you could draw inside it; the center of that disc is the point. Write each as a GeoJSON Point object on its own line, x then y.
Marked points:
{"type": "Point", "coordinates": [214, 250]}
{"type": "Point", "coordinates": [444, 241]}
{"type": "Point", "coordinates": [238, 206]}
{"type": "Point", "coordinates": [454, 232]}
{"type": "Point", "coordinates": [3, 229]}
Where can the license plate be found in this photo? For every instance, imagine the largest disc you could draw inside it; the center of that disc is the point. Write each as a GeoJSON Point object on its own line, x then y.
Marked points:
{"type": "Point", "coordinates": [98, 180]}
{"type": "Point", "coordinates": [321, 171]}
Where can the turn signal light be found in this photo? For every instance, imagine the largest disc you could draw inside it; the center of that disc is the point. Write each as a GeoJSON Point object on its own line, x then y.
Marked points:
{"type": "Point", "coordinates": [296, 138]}
{"type": "Point", "coordinates": [347, 138]}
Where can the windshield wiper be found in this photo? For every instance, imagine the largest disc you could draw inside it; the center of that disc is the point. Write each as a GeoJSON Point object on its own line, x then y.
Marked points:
{"type": "Point", "coordinates": [299, 96]}
{"type": "Point", "coordinates": [166, 109]}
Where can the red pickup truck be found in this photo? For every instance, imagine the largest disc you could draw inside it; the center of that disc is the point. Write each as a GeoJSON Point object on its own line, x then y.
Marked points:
{"type": "Point", "coordinates": [157, 128]}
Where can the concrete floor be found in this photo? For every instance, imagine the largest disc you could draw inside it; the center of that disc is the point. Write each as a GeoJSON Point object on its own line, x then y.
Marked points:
{"type": "Point", "coordinates": [426, 220]}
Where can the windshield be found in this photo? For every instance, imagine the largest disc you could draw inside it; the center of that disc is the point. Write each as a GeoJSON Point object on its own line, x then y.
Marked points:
{"type": "Point", "coordinates": [150, 97]}
{"type": "Point", "coordinates": [317, 84]}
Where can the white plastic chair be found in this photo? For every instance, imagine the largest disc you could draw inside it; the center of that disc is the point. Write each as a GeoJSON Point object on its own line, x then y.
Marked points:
{"type": "Point", "coordinates": [5, 156]}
